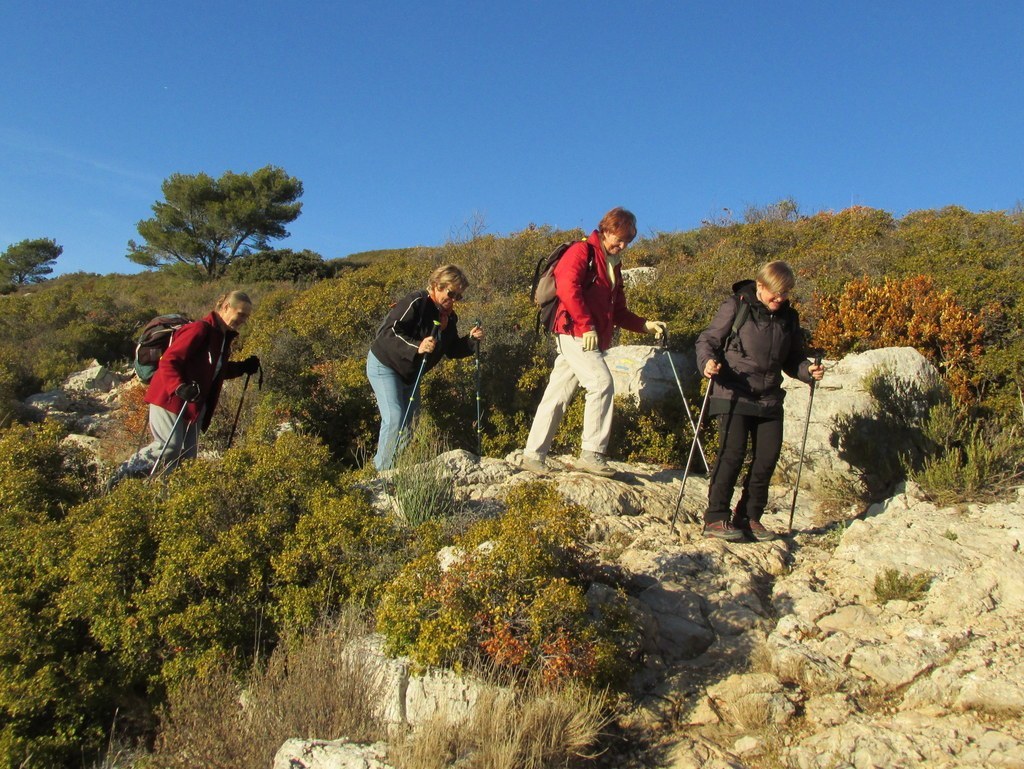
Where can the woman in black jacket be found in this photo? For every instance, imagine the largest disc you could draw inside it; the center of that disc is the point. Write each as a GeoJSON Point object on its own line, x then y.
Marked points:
{"type": "Point", "coordinates": [418, 331]}
{"type": "Point", "coordinates": [745, 367]}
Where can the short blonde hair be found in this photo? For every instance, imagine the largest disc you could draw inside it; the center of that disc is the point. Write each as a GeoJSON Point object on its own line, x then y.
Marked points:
{"type": "Point", "coordinates": [448, 275]}
{"type": "Point", "coordinates": [777, 277]}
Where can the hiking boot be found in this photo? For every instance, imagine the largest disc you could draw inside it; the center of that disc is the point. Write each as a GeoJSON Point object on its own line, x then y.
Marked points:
{"type": "Point", "coordinates": [537, 465]}
{"type": "Point", "coordinates": [594, 463]}
{"type": "Point", "coordinates": [759, 532]}
{"type": "Point", "coordinates": [722, 530]}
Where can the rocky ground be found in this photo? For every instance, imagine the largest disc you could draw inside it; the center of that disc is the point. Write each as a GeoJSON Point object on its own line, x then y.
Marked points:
{"type": "Point", "coordinates": [786, 654]}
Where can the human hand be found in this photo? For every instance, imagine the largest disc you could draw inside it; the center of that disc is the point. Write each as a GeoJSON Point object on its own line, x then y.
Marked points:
{"type": "Point", "coordinates": [817, 371]}
{"type": "Point", "coordinates": [187, 391]}
{"type": "Point", "coordinates": [427, 345]}
{"type": "Point", "coordinates": [711, 368]}
{"type": "Point", "coordinates": [656, 327]}
{"type": "Point", "coordinates": [477, 332]}
{"type": "Point", "coordinates": [589, 341]}
{"type": "Point", "coordinates": [250, 365]}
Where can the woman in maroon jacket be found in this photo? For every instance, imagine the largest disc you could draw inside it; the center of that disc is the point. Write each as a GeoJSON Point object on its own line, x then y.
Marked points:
{"type": "Point", "coordinates": [591, 303]}
{"type": "Point", "coordinates": [184, 391]}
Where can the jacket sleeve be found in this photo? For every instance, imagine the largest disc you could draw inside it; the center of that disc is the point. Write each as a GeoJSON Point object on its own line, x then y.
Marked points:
{"type": "Point", "coordinates": [622, 316]}
{"type": "Point", "coordinates": [232, 369]}
{"type": "Point", "coordinates": [571, 276]}
{"type": "Point", "coordinates": [796, 363]}
{"type": "Point", "coordinates": [401, 332]}
{"type": "Point", "coordinates": [712, 339]}
{"type": "Point", "coordinates": [456, 346]}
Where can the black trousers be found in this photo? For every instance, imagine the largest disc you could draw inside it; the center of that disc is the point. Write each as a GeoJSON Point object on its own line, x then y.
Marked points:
{"type": "Point", "coordinates": [735, 432]}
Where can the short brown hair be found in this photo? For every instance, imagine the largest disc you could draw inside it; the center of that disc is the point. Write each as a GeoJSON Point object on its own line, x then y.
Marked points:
{"type": "Point", "coordinates": [777, 276]}
{"type": "Point", "coordinates": [619, 222]}
{"type": "Point", "coordinates": [448, 275]}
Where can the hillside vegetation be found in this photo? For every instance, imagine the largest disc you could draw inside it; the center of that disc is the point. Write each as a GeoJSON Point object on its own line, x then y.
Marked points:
{"type": "Point", "coordinates": [115, 604]}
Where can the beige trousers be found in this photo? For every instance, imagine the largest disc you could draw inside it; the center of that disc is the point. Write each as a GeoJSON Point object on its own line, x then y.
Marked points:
{"type": "Point", "coordinates": [574, 367]}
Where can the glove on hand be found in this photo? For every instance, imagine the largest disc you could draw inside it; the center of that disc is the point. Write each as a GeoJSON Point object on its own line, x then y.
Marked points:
{"type": "Point", "coordinates": [250, 365]}
{"type": "Point", "coordinates": [187, 391]}
{"type": "Point", "coordinates": [589, 341]}
{"type": "Point", "coordinates": [656, 327]}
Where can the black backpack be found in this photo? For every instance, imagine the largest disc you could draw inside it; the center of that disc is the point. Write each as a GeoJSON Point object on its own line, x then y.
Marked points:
{"type": "Point", "coordinates": [153, 342]}
{"type": "Point", "coordinates": [542, 291]}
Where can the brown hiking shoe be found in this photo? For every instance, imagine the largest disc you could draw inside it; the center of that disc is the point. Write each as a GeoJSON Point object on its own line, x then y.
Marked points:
{"type": "Point", "coordinates": [722, 530]}
{"type": "Point", "coordinates": [755, 529]}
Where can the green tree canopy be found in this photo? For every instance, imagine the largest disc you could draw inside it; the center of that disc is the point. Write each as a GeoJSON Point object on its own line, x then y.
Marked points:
{"type": "Point", "coordinates": [29, 261]}
{"type": "Point", "coordinates": [208, 223]}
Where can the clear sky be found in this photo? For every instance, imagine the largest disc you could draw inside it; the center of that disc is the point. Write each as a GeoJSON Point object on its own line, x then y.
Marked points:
{"type": "Point", "coordinates": [406, 120]}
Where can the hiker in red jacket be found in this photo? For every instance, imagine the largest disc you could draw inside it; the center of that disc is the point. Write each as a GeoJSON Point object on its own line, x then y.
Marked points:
{"type": "Point", "coordinates": [591, 304]}
{"type": "Point", "coordinates": [184, 391]}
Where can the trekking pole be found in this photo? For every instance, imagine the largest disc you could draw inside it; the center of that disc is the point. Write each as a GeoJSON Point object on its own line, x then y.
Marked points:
{"type": "Point", "coordinates": [686, 403]}
{"type": "Point", "coordinates": [231, 435]}
{"type": "Point", "coordinates": [412, 396]}
{"type": "Point", "coordinates": [170, 435]}
{"type": "Point", "coordinates": [803, 444]}
{"type": "Point", "coordinates": [479, 426]}
{"type": "Point", "coordinates": [693, 446]}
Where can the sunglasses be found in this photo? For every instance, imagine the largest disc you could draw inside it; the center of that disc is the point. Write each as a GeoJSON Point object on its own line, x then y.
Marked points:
{"type": "Point", "coordinates": [454, 295]}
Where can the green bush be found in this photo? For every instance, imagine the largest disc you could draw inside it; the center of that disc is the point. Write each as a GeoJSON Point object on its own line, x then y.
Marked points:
{"type": "Point", "coordinates": [56, 699]}
{"type": "Point", "coordinates": [514, 597]}
{"type": "Point", "coordinates": [894, 585]}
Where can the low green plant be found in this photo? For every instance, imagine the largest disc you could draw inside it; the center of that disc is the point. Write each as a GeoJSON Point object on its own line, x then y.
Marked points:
{"type": "Point", "coordinates": [514, 595]}
{"type": "Point", "coordinates": [423, 486]}
{"type": "Point", "coordinates": [972, 460]}
{"type": "Point", "coordinates": [950, 535]}
{"type": "Point", "coordinates": [895, 585]}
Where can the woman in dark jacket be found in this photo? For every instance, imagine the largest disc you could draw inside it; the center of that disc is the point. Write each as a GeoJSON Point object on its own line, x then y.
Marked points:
{"type": "Point", "coordinates": [405, 343]}
{"type": "Point", "coordinates": [745, 369]}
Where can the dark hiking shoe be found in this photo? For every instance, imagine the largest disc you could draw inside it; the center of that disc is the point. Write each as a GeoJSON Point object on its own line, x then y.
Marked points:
{"type": "Point", "coordinates": [722, 530]}
{"type": "Point", "coordinates": [594, 463]}
{"type": "Point", "coordinates": [535, 465]}
{"type": "Point", "coordinates": [759, 532]}
{"type": "Point", "coordinates": [754, 529]}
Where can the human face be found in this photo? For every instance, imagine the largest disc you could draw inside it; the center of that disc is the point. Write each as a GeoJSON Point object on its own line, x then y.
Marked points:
{"type": "Point", "coordinates": [235, 317]}
{"type": "Point", "coordinates": [447, 295]}
{"type": "Point", "coordinates": [773, 301]}
{"type": "Point", "coordinates": [613, 244]}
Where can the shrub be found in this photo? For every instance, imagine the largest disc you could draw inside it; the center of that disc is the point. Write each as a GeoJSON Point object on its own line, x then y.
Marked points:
{"type": "Point", "coordinates": [912, 311]}
{"type": "Point", "coordinates": [971, 460]}
{"type": "Point", "coordinates": [56, 697]}
{"type": "Point", "coordinates": [894, 585]}
{"type": "Point", "coordinates": [179, 579]}
{"type": "Point", "coordinates": [882, 444]}
{"type": "Point", "coordinates": [516, 597]}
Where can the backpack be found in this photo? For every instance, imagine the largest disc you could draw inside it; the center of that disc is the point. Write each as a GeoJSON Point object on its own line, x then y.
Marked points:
{"type": "Point", "coordinates": [542, 291]}
{"type": "Point", "coordinates": [153, 342]}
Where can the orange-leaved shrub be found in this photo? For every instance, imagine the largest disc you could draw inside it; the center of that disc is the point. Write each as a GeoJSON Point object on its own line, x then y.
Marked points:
{"type": "Point", "coordinates": [910, 312]}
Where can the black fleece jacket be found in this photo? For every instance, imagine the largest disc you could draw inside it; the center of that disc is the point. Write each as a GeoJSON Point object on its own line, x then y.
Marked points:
{"type": "Point", "coordinates": [407, 324]}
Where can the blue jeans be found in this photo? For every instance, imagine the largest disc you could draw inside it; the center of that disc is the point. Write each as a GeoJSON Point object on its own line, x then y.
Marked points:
{"type": "Point", "coordinates": [392, 400]}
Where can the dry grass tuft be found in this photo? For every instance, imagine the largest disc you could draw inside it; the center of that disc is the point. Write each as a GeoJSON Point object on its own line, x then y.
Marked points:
{"type": "Point", "coordinates": [535, 729]}
{"type": "Point", "coordinates": [311, 688]}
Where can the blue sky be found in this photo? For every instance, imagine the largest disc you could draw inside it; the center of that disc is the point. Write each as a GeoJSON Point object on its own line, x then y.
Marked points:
{"type": "Point", "coordinates": [407, 120]}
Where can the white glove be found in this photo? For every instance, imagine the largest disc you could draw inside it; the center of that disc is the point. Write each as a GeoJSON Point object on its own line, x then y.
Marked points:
{"type": "Point", "coordinates": [656, 327]}
{"type": "Point", "coordinates": [589, 341]}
